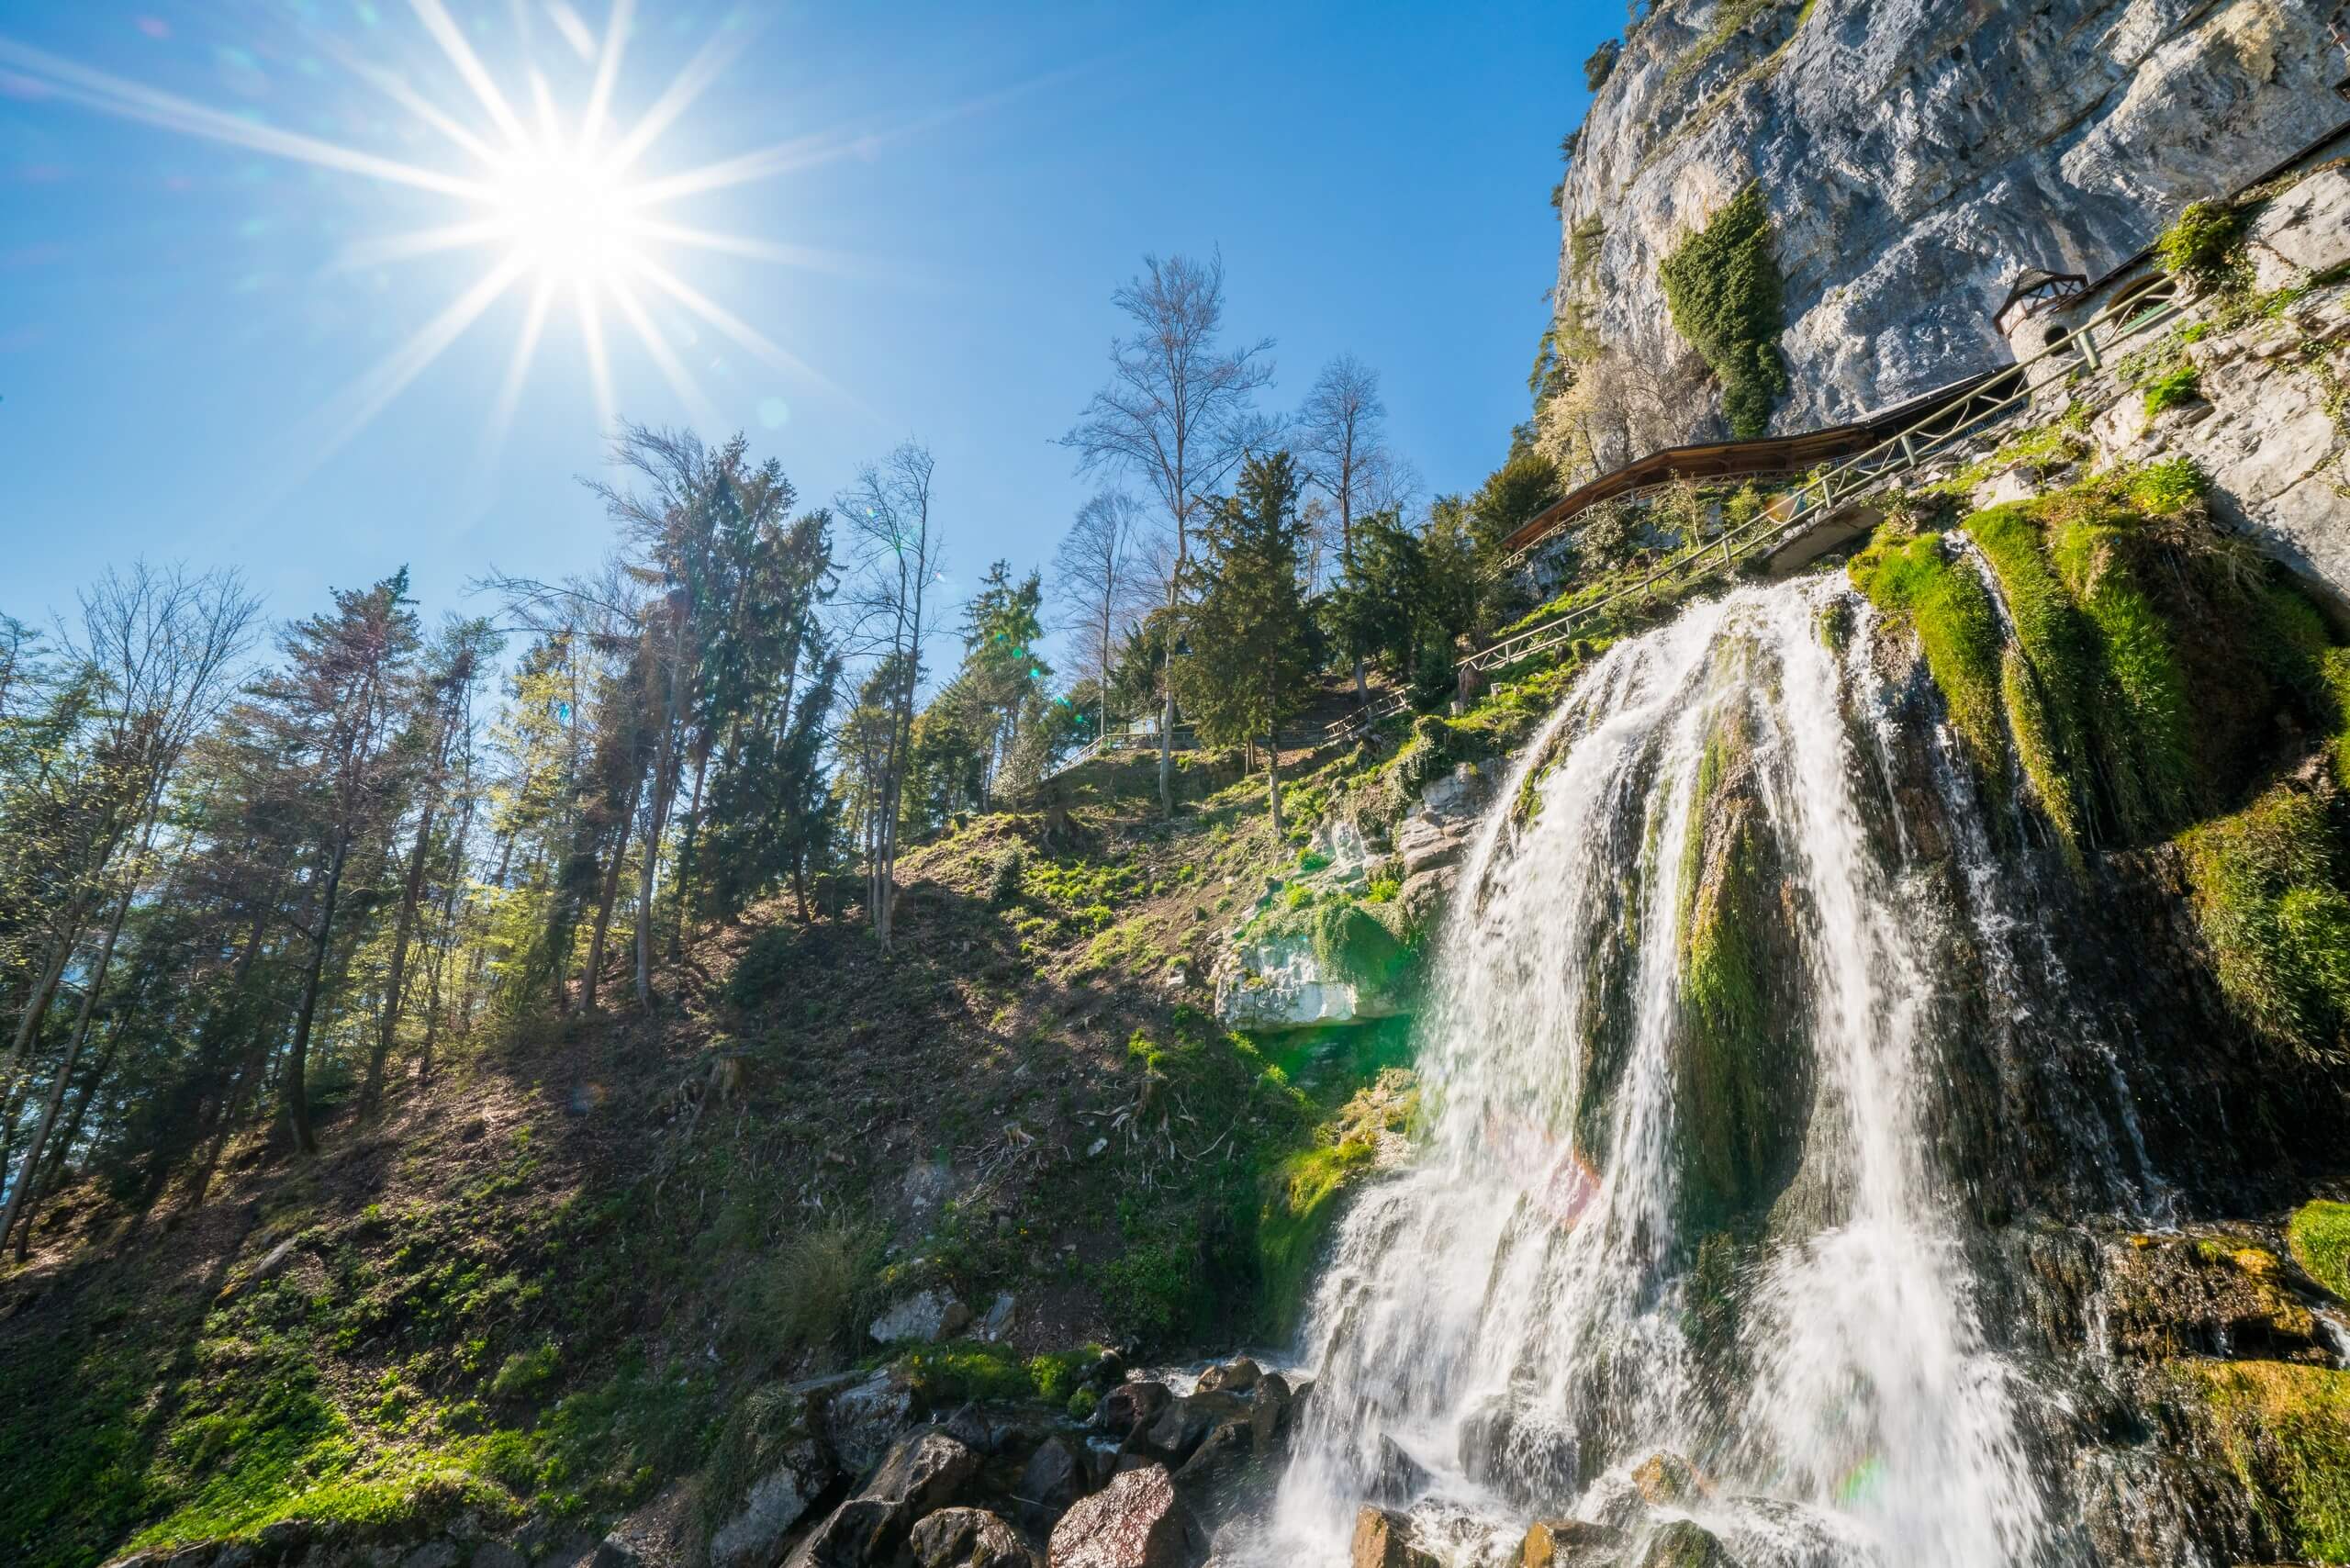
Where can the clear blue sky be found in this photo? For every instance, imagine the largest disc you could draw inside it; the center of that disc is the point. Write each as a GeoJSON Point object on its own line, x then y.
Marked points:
{"type": "Point", "coordinates": [186, 322]}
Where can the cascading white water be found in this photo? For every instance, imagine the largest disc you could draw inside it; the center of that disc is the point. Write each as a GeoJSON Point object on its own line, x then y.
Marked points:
{"type": "Point", "coordinates": [1515, 1310]}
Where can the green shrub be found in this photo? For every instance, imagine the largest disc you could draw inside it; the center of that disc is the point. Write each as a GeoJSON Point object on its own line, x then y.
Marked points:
{"type": "Point", "coordinates": [1723, 287]}
{"type": "Point", "coordinates": [1005, 879]}
{"type": "Point", "coordinates": [1081, 1405]}
{"type": "Point", "coordinates": [768, 959]}
{"type": "Point", "coordinates": [526, 1372]}
{"type": "Point", "coordinates": [2205, 245]}
{"type": "Point", "coordinates": [2180, 384]}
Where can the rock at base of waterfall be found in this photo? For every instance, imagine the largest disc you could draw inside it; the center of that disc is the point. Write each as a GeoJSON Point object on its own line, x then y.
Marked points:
{"type": "Point", "coordinates": [1553, 1543]}
{"type": "Point", "coordinates": [1136, 1521]}
{"type": "Point", "coordinates": [1384, 1539]}
{"type": "Point", "coordinates": [1236, 1376]}
{"type": "Point", "coordinates": [1269, 1410]}
{"type": "Point", "coordinates": [1683, 1544]}
{"type": "Point", "coordinates": [776, 1502]}
{"type": "Point", "coordinates": [1225, 1446]}
{"type": "Point", "coordinates": [1665, 1478]}
{"type": "Point", "coordinates": [1399, 1477]}
{"type": "Point", "coordinates": [969, 1538]}
{"type": "Point", "coordinates": [1131, 1403]}
{"type": "Point", "coordinates": [923, 1318]}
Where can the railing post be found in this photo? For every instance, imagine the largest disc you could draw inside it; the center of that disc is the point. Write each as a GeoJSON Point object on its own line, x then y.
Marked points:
{"type": "Point", "coordinates": [2086, 341]}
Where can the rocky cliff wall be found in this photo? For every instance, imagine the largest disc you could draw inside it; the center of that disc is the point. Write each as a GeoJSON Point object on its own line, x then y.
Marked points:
{"type": "Point", "coordinates": [1916, 154]}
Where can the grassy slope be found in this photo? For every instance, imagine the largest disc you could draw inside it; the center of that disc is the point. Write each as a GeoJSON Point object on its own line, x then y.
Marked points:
{"type": "Point", "coordinates": [539, 1285]}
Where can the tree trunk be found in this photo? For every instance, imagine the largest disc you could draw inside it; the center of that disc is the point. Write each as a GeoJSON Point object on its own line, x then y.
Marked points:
{"type": "Point", "coordinates": [1273, 780]}
{"type": "Point", "coordinates": [297, 1093]}
{"type": "Point", "coordinates": [686, 858]}
{"type": "Point", "coordinates": [29, 1171]}
{"type": "Point", "coordinates": [394, 980]}
{"type": "Point", "coordinates": [53, 1176]}
{"type": "Point", "coordinates": [605, 898]}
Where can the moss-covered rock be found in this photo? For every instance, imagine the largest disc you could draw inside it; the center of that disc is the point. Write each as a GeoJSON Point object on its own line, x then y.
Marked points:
{"type": "Point", "coordinates": [2049, 674]}
{"type": "Point", "coordinates": [2319, 1235]}
{"type": "Point", "coordinates": [1304, 1192]}
{"type": "Point", "coordinates": [1744, 1072]}
{"type": "Point", "coordinates": [2268, 893]}
{"type": "Point", "coordinates": [2284, 1431]}
{"type": "Point", "coordinates": [1917, 580]}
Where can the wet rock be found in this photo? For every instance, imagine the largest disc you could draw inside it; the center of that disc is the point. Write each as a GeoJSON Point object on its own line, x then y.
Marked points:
{"type": "Point", "coordinates": [1666, 1478]}
{"type": "Point", "coordinates": [1184, 1424]}
{"type": "Point", "coordinates": [923, 1318]}
{"type": "Point", "coordinates": [2207, 1295]}
{"type": "Point", "coordinates": [1057, 1476]}
{"type": "Point", "coordinates": [1136, 1521]}
{"type": "Point", "coordinates": [1269, 1410]}
{"type": "Point", "coordinates": [1683, 1544]}
{"type": "Point", "coordinates": [775, 1503]}
{"type": "Point", "coordinates": [921, 1474]}
{"type": "Point", "coordinates": [967, 1538]}
{"type": "Point", "coordinates": [1227, 1444]}
{"type": "Point", "coordinates": [1398, 1477]}
{"type": "Point", "coordinates": [1522, 1456]}
{"type": "Point", "coordinates": [1384, 1539]}
{"type": "Point", "coordinates": [863, 1420]}
{"type": "Point", "coordinates": [1237, 1376]}
{"type": "Point", "coordinates": [1552, 1542]}
{"type": "Point", "coordinates": [1132, 1403]}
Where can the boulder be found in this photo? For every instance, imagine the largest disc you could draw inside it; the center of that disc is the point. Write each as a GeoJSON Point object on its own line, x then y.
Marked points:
{"type": "Point", "coordinates": [1268, 1408]}
{"type": "Point", "coordinates": [921, 1474]}
{"type": "Point", "coordinates": [1425, 842]}
{"type": "Point", "coordinates": [1521, 1454]}
{"type": "Point", "coordinates": [1227, 1445]}
{"type": "Point", "coordinates": [862, 1421]}
{"type": "Point", "coordinates": [1131, 1403]}
{"type": "Point", "coordinates": [1665, 1478]}
{"type": "Point", "coordinates": [1397, 1476]}
{"type": "Point", "coordinates": [1552, 1542]}
{"type": "Point", "coordinates": [1237, 1376]}
{"type": "Point", "coordinates": [1184, 1424]}
{"type": "Point", "coordinates": [1136, 1521]}
{"type": "Point", "coordinates": [754, 1535]}
{"type": "Point", "coordinates": [923, 1318]}
{"type": "Point", "coordinates": [1684, 1544]}
{"type": "Point", "coordinates": [1383, 1539]}
{"type": "Point", "coordinates": [996, 1322]}
{"type": "Point", "coordinates": [1422, 898]}
{"type": "Point", "coordinates": [1057, 1476]}
{"type": "Point", "coordinates": [967, 1538]}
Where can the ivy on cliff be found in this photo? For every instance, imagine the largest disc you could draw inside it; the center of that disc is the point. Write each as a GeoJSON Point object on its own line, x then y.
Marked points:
{"type": "Point", "coordinates": [1723, 287]}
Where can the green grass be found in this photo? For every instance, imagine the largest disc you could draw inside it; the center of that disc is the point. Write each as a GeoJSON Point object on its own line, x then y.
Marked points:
{"type": "Point", "coordinates": [2145, 742]}
{"type": "Point", "coordinates": [1300, 1203]}
{"type": "Point", "coordinates": [2319, 1234]}
{"type": "Point", "coordinates": [2179, 385]}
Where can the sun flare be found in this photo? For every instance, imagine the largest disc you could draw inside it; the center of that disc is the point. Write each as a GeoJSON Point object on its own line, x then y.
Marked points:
{"type": "Point", "coordinates": [567, 216]}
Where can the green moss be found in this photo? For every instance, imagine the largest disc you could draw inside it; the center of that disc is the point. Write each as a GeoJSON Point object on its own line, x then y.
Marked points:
{"type": "Point", "coordinates": [2319, 1234]}
{"type": "Point", "coordinates": [1301, 1202]}
{"type": "Point", "coordinates": [1081, 1405]}
{"type": "Point", "coordinates": [2285, 1430]}
{"type": "Point", "coordinates": [1058, 1375]}
{"type": "Point", "coordinates": [1959, 630]}
{"type": "Point", "coordinates": [2268, 896]}
{"type": "Point", "coordinates": [966, 1369]}
{"type": "Point", "coordinates": [1723, 287]}
{"type": "Point", "coordinates": [2049, 678]}
{"type": "Point", "coordinates": [1347, 939]}
{"type": "Point", "coordinates": [2145, 745]}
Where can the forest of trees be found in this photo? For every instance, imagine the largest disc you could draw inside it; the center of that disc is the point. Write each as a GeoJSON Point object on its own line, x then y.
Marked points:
{"type": "Point", "coordinates": [248, 877]}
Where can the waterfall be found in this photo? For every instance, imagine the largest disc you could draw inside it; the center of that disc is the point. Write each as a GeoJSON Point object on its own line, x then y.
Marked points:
{"type": "Point", "coordinates": [1580, 1271]}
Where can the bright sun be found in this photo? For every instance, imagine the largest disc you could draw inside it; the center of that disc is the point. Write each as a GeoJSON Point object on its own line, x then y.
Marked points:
{"type": "Point", "coordinates": [547, 181]}
{"type": "Point", "coordinates": [567, 217]}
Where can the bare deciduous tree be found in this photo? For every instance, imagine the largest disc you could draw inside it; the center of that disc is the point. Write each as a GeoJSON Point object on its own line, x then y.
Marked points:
{"type": "Point", "coordinates": [1344, 450]}
{"type": "Point", "coordinates": [1179, 413]}
{"type": "Point", "coordinates": [1097, 573]}
{"type": "Point", "coordinates": [888, 513]}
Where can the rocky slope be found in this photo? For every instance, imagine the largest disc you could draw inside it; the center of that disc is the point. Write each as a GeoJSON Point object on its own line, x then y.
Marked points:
{"type": "Point", "coordinates": [1915, 155]}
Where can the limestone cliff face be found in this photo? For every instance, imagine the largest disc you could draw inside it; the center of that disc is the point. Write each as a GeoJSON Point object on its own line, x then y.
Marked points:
{"type": "Point", "coordinates": [1915, 155]}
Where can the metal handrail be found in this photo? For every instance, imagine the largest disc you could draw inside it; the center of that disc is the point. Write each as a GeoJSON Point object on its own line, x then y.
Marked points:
{"type": "Point", "coordinates": [1902, 453]}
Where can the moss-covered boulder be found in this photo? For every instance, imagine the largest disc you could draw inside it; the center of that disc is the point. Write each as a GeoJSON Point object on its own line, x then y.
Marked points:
{"type": "Point", "coordinates": [2283, 1429]}
{"type": "Point", "coordinates": [1742, 1056]}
